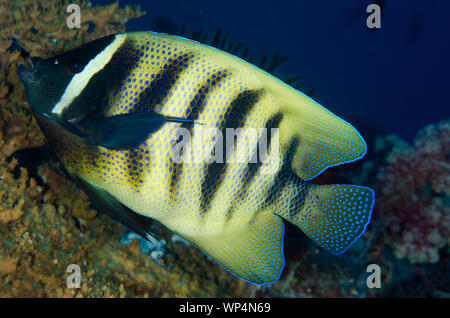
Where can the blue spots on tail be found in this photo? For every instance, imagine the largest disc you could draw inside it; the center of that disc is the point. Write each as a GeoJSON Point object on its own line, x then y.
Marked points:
{"type": "Point", "coordinates": [339, 216]}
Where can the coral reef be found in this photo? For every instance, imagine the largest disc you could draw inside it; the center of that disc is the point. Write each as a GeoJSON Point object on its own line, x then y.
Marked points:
{"type": "Point", "coordinates": [18, 130]}
{"type": "Point", "coordinates": [40, 26]}
{"type": "Point", "coordinates": [414, 195]}
{"type": "Point", "coordinates": [46, 222]}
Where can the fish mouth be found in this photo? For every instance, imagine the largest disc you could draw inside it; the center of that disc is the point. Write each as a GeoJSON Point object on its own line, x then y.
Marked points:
{"type": "Point", "coordinates": [31, 73]}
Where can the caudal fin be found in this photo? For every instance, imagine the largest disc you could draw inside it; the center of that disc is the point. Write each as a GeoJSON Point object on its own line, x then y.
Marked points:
{"type": "Point", "coordinates": [335, 216]}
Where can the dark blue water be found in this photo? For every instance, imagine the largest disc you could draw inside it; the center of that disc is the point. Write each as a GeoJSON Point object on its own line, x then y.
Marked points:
{"type": "Point", "coordinates": [392, 80]}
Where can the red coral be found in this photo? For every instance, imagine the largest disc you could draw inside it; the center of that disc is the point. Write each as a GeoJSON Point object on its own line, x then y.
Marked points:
{"type": "Point", "coordinates": [413, 193]}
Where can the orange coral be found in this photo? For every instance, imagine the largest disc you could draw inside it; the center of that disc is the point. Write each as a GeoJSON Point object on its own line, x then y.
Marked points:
{"type": "Point", "coordinates": [40, 26]}
{"type": "Point", "coordinates": [65, 194]}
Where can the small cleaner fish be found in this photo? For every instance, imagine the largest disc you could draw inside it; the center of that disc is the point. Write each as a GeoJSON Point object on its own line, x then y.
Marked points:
{"type": "Point", "coordinates": [112, 109]}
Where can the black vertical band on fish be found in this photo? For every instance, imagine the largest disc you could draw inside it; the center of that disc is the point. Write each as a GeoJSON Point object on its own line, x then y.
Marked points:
{"type": "Point", "coordinates": [195, 108]}
{"type": "Point", "coordinates": [158, 89]}
{"type": "Point", "coordinates": [280, 176]}
{"type": "Point", "coordinates": [234, 118]}
{"type": "Point", "coordinates": [252, 169]}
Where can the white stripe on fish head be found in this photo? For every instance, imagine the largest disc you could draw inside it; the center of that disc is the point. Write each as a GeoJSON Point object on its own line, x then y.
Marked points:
{"type": "Point", "coordinates": [80, 80]}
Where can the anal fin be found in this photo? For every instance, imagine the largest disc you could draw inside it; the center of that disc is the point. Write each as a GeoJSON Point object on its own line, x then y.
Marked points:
{"type": "Point", "coordinates": [251, 249]}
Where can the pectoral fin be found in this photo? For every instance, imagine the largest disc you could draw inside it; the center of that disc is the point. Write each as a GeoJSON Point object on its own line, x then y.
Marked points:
{"type": "Point", "coordinates": [122, 131]}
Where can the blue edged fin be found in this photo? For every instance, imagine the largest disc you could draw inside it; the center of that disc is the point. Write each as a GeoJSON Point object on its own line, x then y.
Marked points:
{"type": "Point", "coordinates": [251, 249]}
{"type": "Point", "coordinates": [325, 140]}
{"type": "Point", "coordinates": [336, 215]}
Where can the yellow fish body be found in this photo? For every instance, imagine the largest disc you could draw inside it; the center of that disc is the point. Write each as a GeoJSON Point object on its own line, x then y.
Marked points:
{"type": "Point", "coordinates": [231, 210]}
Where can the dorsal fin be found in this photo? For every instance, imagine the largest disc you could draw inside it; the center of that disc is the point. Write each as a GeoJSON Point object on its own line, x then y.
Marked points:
{"type": "Point", "coordinates": [325, 140]}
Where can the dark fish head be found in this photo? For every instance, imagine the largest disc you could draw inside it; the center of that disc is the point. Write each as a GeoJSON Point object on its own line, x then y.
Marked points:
{"type": "Point", "coordinates": [44, 81]}
{"type": "Point", "coordinates": [58, 83]}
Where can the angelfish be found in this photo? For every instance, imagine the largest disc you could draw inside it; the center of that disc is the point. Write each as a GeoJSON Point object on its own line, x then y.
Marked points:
{"type": "Point", "coordinates": [111, 110]}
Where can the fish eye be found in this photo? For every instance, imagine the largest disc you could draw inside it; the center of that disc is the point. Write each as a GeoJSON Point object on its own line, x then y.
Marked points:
{"type": "Point", "coordinates": [75, 66]}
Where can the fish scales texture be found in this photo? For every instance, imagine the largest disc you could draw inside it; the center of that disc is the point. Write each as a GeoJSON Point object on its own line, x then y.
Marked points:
{"type": "Point", "coordinates": [232, 211]}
